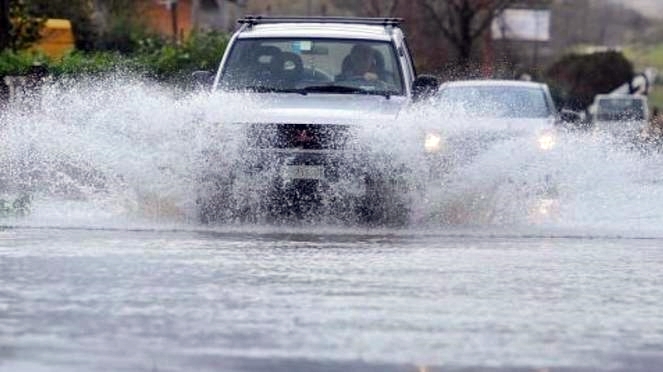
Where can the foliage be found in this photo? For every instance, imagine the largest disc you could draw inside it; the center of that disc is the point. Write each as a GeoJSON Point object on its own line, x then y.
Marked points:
{"type": "Point", "coordinates": [117, 25]}
{"type": "Point", "coordinates": [17, 63]}
{"type": "Point", "coordinates": [25, 26]}
{"type": "Point", "coordinates": [645, 55]}
{"type": "Point", "coordinates": [155, 57]}
{"type": "Point", "coordinates": [656, 97]}
{"type": "Point", "coordinates": [200, 51]}
{"type": "Point", "coordinates": [78, 63]}
{"type": "Point", "coordinates": [124, 29]}
{"type": "Point", "coordinates": [576, 78]}
{"type": "Point", "coordinates": [123, 35]}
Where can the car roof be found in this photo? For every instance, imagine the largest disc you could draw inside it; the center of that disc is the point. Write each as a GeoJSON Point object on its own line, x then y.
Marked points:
{"type": "Point", "coordinates": [319, 30]}
{"type": "Point", "coordinates": [493, 82]}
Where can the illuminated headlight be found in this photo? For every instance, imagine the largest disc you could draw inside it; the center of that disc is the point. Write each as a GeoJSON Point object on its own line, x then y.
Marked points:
{"type": "Point", "coordinates": [433, 142]}
{"type": "Point", "coordinates": [546, 141]}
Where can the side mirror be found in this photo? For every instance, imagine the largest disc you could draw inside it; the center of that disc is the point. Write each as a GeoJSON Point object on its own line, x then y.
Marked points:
{"type": "Point", "coordinates": [203, 78]}
{"type": "Point", "coordinates": [424, 86]}
{"type": "Point", "coordinates": [570, 118]}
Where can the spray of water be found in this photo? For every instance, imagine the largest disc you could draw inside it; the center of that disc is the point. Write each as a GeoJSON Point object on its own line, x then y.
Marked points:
{"type": "Point", "coordinates": [120, 151]}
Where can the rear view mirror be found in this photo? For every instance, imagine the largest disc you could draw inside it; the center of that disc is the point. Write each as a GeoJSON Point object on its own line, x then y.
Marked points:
{"type": "Point", "coordinates": [317, 50]}
{"type": "Point", "coordinates": [573, 120]}
{"type": "Point", "coordinates": [424, 86]}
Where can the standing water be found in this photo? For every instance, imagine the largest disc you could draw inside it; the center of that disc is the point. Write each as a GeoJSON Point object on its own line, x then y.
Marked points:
{"type": "Point", "coordinates": [110, 269]}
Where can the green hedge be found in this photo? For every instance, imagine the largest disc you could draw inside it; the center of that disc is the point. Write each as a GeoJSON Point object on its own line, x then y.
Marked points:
{"type": "Point", "coordinates": [167, 61]}
{"type": "Point", "coordinates": [155, 58]}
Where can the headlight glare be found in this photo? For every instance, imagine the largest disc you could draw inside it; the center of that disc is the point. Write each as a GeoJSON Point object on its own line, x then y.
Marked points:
{"type": "Point", "coordinates": [433, 142]}
{"type": "Point", "coordinates": [546, 141]}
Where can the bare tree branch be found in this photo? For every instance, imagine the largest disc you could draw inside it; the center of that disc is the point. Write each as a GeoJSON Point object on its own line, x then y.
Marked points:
{"type": "Point", "coordinates": [443, 23]}
{"type": "Point", "coordinates": [393, 8]}
{"type": "Point", "coordinates": [463, 22]}
{"type": "Point", "coordinates": [491, 12]}
{"type": "Point", "coordinates": [377, 8]}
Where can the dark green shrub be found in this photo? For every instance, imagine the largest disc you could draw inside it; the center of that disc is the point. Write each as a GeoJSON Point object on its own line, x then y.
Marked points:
{"type": "Point", "coordinates": [89, 63]}
{"type": "Point", "coordinates": [576, 78]}
{"type": "Point", "coordinates": [154, 57]}
{"type": "Point", "coordinates": [200, 51]}
{"type": "Point", "coordinates": [17, 63]}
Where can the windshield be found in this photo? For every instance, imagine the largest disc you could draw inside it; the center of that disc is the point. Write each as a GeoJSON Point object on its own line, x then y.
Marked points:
{"type": "Point", "coordinates": [312, 65]}
{"type": "Point", "coordinates": [494, 101]}
{"type": "Point", "coordinates": [620, 109]}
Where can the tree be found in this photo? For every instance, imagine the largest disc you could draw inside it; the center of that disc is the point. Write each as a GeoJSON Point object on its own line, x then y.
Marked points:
{"type": "Point", "coordinates": [464, 22]}
{"type": "Point", "coordinates": [24, 25]}
{"type": "Point", "coordinates": [370, 8]}
{"type": "Point", "coordinates": [5, 24]}
{"type": "Point", "coordinates": [121, 24]}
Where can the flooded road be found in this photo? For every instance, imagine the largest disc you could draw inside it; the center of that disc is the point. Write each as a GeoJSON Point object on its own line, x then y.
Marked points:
{"type": "Point", "coordinates": [110, 271]}
{"type": "Point", "coordinates": [295, 300]}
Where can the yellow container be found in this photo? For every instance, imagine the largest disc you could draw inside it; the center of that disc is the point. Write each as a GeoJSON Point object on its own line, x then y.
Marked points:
{"type": "Point", "coordinates": [57, 38]}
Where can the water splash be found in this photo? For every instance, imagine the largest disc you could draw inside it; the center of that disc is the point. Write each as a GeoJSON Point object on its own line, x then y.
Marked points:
{"type": "Point", "coordinates": [120, 151]}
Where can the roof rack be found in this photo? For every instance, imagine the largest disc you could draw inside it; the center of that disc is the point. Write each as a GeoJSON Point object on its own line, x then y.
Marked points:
{"type": "Point", "coordinates": [254, 20]}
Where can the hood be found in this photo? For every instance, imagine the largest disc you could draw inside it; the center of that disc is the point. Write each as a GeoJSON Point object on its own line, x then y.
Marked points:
{"type": "Point", "coordinates": [315, 108]}
{"type": "Point", "coordinates": [619, 127]}
{"type": "Point", "coordinates": [500, 126]}
{"type": "Point", "coordinates": [470, 136]}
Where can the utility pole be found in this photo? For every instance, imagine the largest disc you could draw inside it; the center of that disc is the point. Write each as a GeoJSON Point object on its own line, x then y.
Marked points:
{"type": "Point", "coordinates": [195, 14]}
{"type": "Point", "coordinates": [5, 24]}
{"type": "Point", "coordinates": [223, 14]}
{"type": "Point", "coordinates": [173, 18]}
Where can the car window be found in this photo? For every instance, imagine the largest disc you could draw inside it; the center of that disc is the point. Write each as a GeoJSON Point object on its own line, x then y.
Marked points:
{"type": "Point", "coordinates": [619, 109]}
{"type": "Point", "coordinates": [494, 101]}
{"type": "Point", "coordinates": [298, 63]}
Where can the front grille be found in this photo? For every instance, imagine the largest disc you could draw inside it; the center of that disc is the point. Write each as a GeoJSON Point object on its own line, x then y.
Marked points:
{"type": "Point", "coordinates": [299, 136]}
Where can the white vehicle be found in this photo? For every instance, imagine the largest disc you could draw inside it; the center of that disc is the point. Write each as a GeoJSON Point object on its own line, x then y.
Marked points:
{"type": "Point", "coordinates": [620, 115]}
{"type": "Point", "coordinates": [315, 81]}
{"type": "Point", "coordinates": [478, 113]}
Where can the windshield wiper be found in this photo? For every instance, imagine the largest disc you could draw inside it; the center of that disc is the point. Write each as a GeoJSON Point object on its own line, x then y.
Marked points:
{"type": "Point", "coordinates": [258, 89]}
{"type": "Point", "coordinates": [267, 89]}
{"type": "Point", "coordinates": [341, 89]}
{"type": "Point", "coordinates": [344, 89]}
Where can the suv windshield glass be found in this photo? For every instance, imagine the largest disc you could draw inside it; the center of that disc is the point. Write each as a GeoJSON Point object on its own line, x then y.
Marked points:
{"type": "Point", "coordinates": [313, 66]}
{"type": "Point", "coordinates": [494, 101]}
{"type": "Point", "coordinates": [620, 109]}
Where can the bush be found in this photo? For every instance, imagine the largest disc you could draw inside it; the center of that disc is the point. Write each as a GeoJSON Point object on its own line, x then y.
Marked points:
{"type": "Point", "coordinates": [17, 63]}
{"type": "Point", "coordinates": [172, 62]}
{"type": "Point", "coordinates": [154, 57]}
{"type": "Point", "coordinates": [576, 78]}
{"type": "Point", "coordinates": [89, 63]}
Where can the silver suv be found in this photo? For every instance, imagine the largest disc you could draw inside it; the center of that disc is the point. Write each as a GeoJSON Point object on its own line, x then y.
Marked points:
{"type": "Point", "coordinates": [314, 82]}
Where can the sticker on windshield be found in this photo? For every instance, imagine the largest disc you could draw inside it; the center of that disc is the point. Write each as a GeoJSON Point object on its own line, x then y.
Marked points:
{"type": "Point", "coordinates": [302, 46]}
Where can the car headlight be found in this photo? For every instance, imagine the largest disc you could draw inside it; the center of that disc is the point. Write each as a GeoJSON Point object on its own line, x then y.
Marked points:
{"type": "Point", "coordinates": [546, 141]}
{"type": "Point", "coordinates": [433, 142]}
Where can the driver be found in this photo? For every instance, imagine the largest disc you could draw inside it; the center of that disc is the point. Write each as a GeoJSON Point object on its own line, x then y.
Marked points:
{"type": "Point", "coordinates": [361, 63]}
